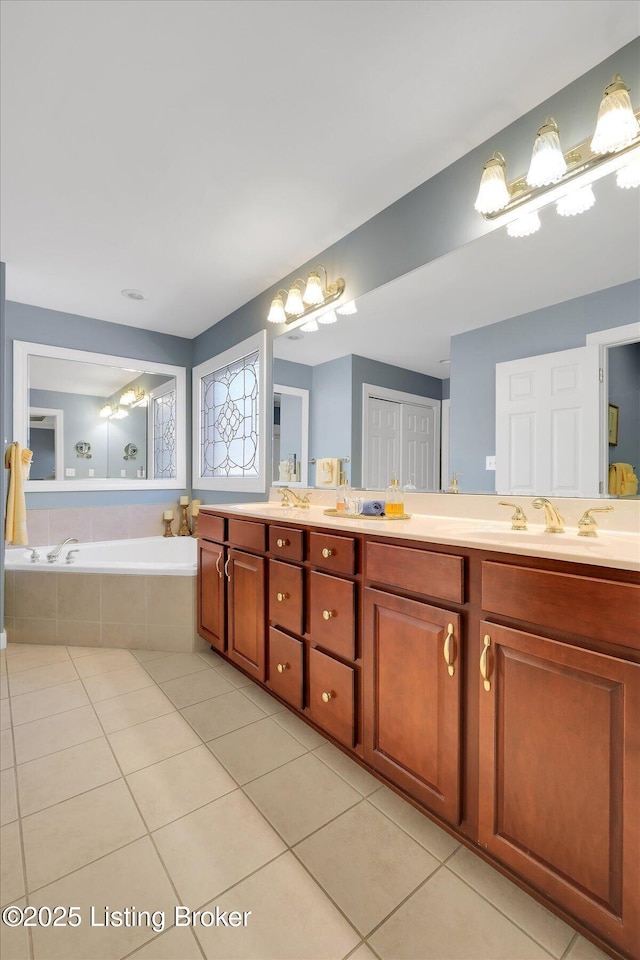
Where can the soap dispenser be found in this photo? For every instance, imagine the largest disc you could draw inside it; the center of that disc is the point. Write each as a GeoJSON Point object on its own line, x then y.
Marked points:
{"type": "Point", "coordinates": [394, 500]}
{"type": "Point", "coordinates": [453, 486]}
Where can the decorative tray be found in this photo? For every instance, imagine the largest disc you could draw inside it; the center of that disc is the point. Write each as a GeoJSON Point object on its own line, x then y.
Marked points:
{"type": "Point", "coordinates": [364, 516]}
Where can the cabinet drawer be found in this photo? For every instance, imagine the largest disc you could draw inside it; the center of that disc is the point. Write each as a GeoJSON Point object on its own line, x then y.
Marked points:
{"type": "Point", "coordinates": [418, 571]}
{"type": "Point", "coordinates": [210, 528]}
{"type": "Point", "coordinates": [332, 614]}
{"type": "Point", "coordinates": [332, 696]}
{"type": "Point", "coordinates": [285, 596]}
{"type": "Point", "coordinates": [287, 543]}
{"type": "Point", "coordinates": [332, 553]}
{"type": "Point", "coordinates": [285, 667]}
{"type": "Point", "coordinates": [246, 533]}
{"type": "Point", "coordinates": [598, 609]}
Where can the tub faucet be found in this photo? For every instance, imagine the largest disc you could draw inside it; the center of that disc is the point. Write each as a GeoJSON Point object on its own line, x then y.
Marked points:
{"type": "Point", "coordinates": [53, 555]}
{"type": "Point", "coordinates": [553, 520]}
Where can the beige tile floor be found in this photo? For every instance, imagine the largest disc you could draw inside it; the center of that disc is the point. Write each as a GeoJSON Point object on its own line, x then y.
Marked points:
{"type": "Point", "coordinates": [150, 780]}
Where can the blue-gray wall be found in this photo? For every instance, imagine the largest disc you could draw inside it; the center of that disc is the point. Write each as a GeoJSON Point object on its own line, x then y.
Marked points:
{"type": "Point", "coordinates": [39, 325]}
{"type": "Point", "coordinates": [624, 390]}
{"type": "Point", "coordinates": [475, 354]}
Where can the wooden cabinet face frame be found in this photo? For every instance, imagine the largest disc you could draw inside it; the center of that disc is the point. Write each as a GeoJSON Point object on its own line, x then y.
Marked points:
{"type": "Point", "coordinates": [212, 594]}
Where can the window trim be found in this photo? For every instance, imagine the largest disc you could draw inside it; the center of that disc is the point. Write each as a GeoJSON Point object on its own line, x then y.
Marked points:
{"type": "Point", "coordinates": [256, 343]}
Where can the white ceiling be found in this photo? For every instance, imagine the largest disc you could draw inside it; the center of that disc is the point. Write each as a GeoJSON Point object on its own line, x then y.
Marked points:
{"type": "Point", "coordinates": [199, 150]}
{"type": "Point", "coordinates": [409, 321]}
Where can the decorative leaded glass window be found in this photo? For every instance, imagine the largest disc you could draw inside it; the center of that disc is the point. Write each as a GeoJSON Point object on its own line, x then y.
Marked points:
{"type": "Point", "coordinates": [164, 435]}
{"type": "Point", "coordinates": [229, 410]}
{"type": "Point", "coordinates": [229, 420]}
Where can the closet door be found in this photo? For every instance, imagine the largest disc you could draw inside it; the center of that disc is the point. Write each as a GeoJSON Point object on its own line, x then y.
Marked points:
{"type": "Point", "coordinates": [383, 448]}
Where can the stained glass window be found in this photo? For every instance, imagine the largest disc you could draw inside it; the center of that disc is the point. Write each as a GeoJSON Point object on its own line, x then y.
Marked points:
{"type": "Point", "coordinates": [229, 430]}
{"type": "Point", "coordinates": [164, 436]}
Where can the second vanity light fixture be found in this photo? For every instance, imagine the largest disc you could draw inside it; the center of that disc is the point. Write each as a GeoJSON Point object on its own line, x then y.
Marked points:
{"type": "Point", "coordinates": [310, 297]}
{"type": "Point", "coordinates": [565, 178]}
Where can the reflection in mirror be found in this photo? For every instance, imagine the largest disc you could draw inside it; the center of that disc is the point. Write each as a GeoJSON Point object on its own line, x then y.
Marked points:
{"type": "Point", "coordinates": [290, 435]}
{"type": "Point", "coordinates": [494, 300]}
{"type": "Point", "coordinates": [95, 425]}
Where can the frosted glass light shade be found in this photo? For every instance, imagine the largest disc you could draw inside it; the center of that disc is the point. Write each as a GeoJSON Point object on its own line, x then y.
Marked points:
{"type": "Point", "coordinates": [493, 194]}
{"type": "Point", "coordinates": [577, 201]}
{"type": "Point", "coordinates": [617, 125]}
{"type": "Point", "coordinates": [294, 305]}
{"type": "Point", "coordinates": [524, 226]}
{"type": "Point", "coordinates": [313, 292]}
{"type": "Point", "coordinates": [548, 164]}
{"type": "Point", "coordinates": [347, 309]}
{"type": "Point", "coordinates": [328, 317]}
{"type": "Point", "coordinates": [629, 176]}
{"type": "Point", "coordinates": [276, 313]}
{"type": "Point", "coordinates": [128, 397]}
{"type": "Point", "coordinates": [106, 410]}
{"type": "Point", "coordinates": [310, 326]}
{"type": "Point", "coordinates": [120, 414]}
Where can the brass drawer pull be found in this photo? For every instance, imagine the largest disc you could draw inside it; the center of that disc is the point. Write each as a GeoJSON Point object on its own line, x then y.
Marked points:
{"type": "Point", "coordinates": [484, 669]}
{"type": "Point", "coordinates": [282, 543]}
{"type": "Point", "coordinates": [218, 559]}
{"type": "Point", "coordinates": [327, 552]}
{"type": "Point", "coordinates": [327, 696]}
{"type": "Point", "coordinates": [282, 667]}
{"type": "Point", "coordinates": [449, 654]}
{"type": "Point", "coordinates": [226, 569]}
{"type": "Point", "coordinates": [280, 597]}
{"type": "Point", "coordinates": [328, 614]}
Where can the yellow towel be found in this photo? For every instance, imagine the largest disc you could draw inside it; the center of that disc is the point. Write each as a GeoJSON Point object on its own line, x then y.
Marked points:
{"type": "Point", "coordinates": [622, 480]}
{"type": "Point", "coordinates": [18, 462]}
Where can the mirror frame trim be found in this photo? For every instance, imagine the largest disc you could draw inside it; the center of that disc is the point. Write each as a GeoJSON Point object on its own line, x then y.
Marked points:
{"type": "Point", "coordinates": [22, 349]}
{"type": "Point", "coordinates": [303, 393]}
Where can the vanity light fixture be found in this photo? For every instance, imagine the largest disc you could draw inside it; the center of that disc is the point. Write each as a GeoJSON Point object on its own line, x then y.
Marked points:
{"type": "Point", "coordinates": [112, 411]}
{"type": "Point", "coordinates": [303, 298]}
{"type": "Point", "coordinates": [310, 326]}
{"type": "Point", "coordinates": [565, 178]}
{"type": "Point", "coordinates": [106, 411]}
{"type": "Point", "coordinates": [329, 316]}
{"type": "Point", "coordinates": [617, 125]}
{"type": "Point", "coordinates": [347, 309]}
{"type": "Point", "coordinates": [548, 164]}
{"type": "Point", "coordinates": [128, 397]}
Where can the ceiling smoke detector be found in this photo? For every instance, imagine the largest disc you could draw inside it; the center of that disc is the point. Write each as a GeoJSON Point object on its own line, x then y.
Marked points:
{"type": "Point", "coordinates": [133, 294]}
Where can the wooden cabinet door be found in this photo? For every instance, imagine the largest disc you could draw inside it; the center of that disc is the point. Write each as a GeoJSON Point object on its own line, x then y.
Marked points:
{"type": "Point", "coordinates": [332, 696]}
{"type": "Point", "coordinates": [286, 670]}
{"type": "Point", "coordinates": [560, 775]}
{"type": "Point", "coordinates": [286, 587]}
{"type": "Point", "coordinates": [412, 678]}
{"type": "Point", "coordinates": [247, 613]}
{"type": "Point", "coordinates": [211, 594]}
{"type": "Point", "coordinates": [332, 614]}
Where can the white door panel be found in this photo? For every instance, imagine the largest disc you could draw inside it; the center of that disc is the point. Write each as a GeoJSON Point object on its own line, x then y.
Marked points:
{"type": "Point", "coordinates": [547, 424]}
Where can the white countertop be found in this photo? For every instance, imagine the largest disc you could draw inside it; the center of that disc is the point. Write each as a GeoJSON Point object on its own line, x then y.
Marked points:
{"type": "Point", "coordinates": [620, 550]}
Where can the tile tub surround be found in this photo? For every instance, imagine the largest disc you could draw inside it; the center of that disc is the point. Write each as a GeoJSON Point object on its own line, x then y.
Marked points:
{"type": "Point", "coordinates": [330, 865]}
{"type": "Point", "coordinates": [97, 609]}
{"type": "Point", "coordinates": [89, 524]}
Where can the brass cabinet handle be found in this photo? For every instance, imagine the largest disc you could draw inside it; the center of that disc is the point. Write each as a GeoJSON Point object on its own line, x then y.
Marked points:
{"type": "Point", "coordinates": [226, 569]}
{"type": "Point", "coordinates": [218, 559]}
{"type": "Point", "coordinates": [484, 668]}
{"type": "Point", "coordinates": [282, 667]}
{"type": "Point", "coordinates": [282, 543]}
{"type": "Point", "coordinates": [327, 552]}
{"type": "Point", "coordinates": [449, 655]}
{"type": "Point", "coordinates": [327, 696]}
{"type": "Point", "coordinates": [327, 614]}
{"type": "Point", "coordinates": [281, 596]}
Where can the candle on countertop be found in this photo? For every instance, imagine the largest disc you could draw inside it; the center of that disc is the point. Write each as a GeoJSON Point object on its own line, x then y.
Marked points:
{"type": "Point", "coordinates": [184, 501]}
{"type": "Point", "coordinates": [168, 515]}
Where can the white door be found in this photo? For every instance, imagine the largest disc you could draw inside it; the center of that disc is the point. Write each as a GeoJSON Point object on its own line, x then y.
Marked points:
{"type": "Point", "coordinates": [383, 450]}
{"type": "Point", "coordinates": [419, 454]}
{"type": "Point", "coordinates": [547, 424]}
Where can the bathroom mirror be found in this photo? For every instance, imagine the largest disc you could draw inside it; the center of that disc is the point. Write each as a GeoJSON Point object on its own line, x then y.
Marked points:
{"type": "Point", "coordinates": [496, 299]}
{"type": "Point", "coordinates": [290, 443]}
{"type": "Point", "coordinates": [116, 405]}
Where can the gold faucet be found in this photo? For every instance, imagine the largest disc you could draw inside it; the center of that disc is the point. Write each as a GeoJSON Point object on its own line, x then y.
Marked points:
{"type": "Point", "coordinates": [298, 501]}
{"type": "Point", "coordinates": [587, 526]}
{"type": "Point", "coordinates": [553, 520]}
{"type": "Point", "coordinates": [519, 519]}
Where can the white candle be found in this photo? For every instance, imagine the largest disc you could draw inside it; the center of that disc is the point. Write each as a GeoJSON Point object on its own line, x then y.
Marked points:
{"type": "Point", "coordinates": [195, 511]}
{"type": "Point", "coordinates": [196, 503]}
{"type": "Point", "coordinates": [184, 501]}
{"type": "Point", "coordinates": [168, 514]}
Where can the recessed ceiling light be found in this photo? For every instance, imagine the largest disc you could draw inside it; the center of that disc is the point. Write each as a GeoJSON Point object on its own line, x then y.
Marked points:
{"type": "Point", "coordinates": [133, 294]}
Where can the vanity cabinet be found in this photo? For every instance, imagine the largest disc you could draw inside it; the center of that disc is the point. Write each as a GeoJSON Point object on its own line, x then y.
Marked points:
{"type": "Point", "coordinates": [412, 677]}
{"type": "Point", "coordinates": [499, 693]}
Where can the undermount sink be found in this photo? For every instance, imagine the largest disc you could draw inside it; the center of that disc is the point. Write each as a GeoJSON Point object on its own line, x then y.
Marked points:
{"type": "Point", "coordinates": [524, 537]}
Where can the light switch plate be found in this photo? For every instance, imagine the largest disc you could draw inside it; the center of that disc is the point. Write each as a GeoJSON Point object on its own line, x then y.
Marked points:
{"type": "Point", "coordinates": [491, 463]}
